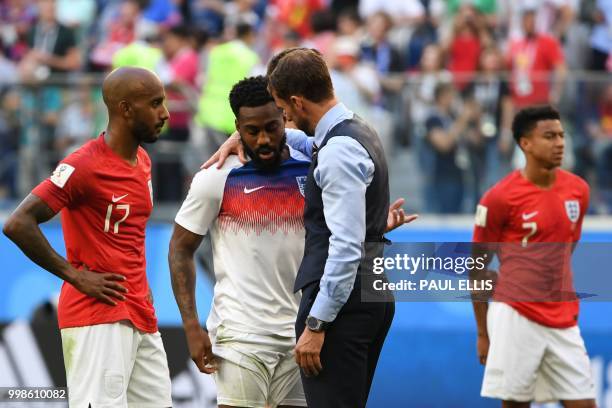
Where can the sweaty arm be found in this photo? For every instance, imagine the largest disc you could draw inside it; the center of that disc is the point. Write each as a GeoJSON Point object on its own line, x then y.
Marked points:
{"type": "Point", "coordinates": [344, 172]}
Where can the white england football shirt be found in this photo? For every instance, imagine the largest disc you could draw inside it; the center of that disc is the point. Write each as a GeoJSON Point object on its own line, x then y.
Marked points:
{"type": "Point", "coordinates": [256, 222]}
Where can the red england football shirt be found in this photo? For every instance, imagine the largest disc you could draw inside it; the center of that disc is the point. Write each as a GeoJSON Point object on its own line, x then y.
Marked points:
{"type": "Point", "coordinates": [105, 204]}
{"type": "Point", "coordinates": [536, 228]}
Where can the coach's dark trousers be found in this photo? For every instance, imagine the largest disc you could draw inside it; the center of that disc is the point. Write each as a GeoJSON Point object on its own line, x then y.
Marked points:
{"type": "Point", "coordinates": [350, 352]}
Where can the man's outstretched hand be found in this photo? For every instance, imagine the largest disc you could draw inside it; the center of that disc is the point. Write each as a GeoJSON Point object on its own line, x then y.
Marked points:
{"type": "Point", "coordinates": [397, 217]}
{"type": "Point", "coordinates": [232, 145]}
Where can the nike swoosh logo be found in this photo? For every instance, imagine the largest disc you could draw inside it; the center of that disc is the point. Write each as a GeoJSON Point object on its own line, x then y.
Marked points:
{"type": "Point", "coordinates": [250, 190]}
{"type": "Point", "coordinates": [115, 199]}
{"type": "Point", "coordinates": [530, 215]}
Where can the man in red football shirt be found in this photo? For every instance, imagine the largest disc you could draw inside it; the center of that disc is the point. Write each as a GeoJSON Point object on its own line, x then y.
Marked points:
{"type": "Point", "coordinates": [113, 352]}
{"type": "Point", "coordinates": [528, 337]}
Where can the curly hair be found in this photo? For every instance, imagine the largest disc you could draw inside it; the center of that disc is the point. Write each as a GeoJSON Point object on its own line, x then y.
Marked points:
{"type": "Point", "coordinates": [251, 92]}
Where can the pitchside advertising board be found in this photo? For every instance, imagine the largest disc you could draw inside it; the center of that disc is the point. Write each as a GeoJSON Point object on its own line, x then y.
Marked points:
{"type": "Point", "coordinates": [429, 357]}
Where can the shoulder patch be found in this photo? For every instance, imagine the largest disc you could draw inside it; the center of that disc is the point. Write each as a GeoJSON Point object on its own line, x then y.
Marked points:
{"type": "Point", "coordinates": [61, 174]}
{"type": "Point", "coordinates": [481, 216]}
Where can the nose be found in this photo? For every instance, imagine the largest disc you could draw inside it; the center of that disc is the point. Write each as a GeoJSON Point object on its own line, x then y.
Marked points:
{"type": "Point", "coordinates": [165, 115]}
{"type": "Point", "coordinates": [560, 142]}
{"type": "Point", "coordinates": [263, 138]}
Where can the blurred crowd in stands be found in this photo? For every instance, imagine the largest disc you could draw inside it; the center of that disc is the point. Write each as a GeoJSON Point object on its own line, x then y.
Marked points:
{"type": "Point", "coordinates": [439, 79]}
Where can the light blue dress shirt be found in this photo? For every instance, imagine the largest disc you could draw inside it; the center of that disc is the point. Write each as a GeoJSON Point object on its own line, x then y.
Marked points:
{"type": "Point", "coordinates": [344, 171]}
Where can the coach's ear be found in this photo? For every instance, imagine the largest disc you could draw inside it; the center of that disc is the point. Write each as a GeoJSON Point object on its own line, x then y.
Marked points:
{"type": "Point", "coordinates": [297, 102]}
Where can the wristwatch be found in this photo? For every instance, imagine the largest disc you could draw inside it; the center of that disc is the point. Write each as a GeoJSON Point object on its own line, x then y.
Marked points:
{"type": "Point", "coordinates": [316, 325]}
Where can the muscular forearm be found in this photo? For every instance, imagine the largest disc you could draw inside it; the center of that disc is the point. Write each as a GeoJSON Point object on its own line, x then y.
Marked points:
{"type": "Point", "coordinates": [26, 234]}
{"type": "Point", "coordinates": [182, 270]}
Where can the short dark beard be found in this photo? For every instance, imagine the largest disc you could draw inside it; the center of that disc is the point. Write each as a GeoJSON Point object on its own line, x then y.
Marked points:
{"type": "Point", "coordinates": [267, 165]}
{"type": "Point", "coordinates": [143, 133]}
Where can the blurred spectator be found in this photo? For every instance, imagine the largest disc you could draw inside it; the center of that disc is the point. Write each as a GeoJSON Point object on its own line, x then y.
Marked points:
{"type": "Point", "coordinates": [240, 11]}
{"type": "Point", "coordinates": [424, 34]}
{"type": "Point", "coordinates": [178, 72]}
{"type": "Point", "coordinates": [53, 46]}
{"type": "Point", "coordinates": [144, 51]}
{"type": "Point", "coordinates": [76, 122]}
{"type": "Point", "coordinates": [378, 50]}
{"type": "Point", "coordinates": [163, 12]}
{"type": "Point", "coordinates": [324, 31]}
{"type": "Point", "coordinates": [469, 36]}
{"type": "Point", "coordinates": [9, 143]}
{"type": "Point", "coordinates": [552, 17]}
{"type": "Point", "coordinates": [349, 24]}
{"type": "Point", "coordinates": [52, 49]}
{"type": "Point", "coordinates": [490, 93]}
{"type": "Point", "coordinates": [356, 85]}
{"type": "Point", "coordinates": [601, 37]}
{"type": "Point", "coordinates": [533, 58]}
{"type": "Point", "coordinates": [424, 83]}
{"type": "Point", "coordinates": [296, 14]}
{"type": "Point", "coordinates": [8, 70]}
{"type": "Point", "coordinates": [386, 59]}
{"type": "Point", "coordinates": [289, 40]}
{"type": "Point", "coordinates": [121, 32]}
{"type": "Point", "coordinates": [79, 15]}
{"type": "Point", "coordinates": [16, 18]}
{"type": "Point", "coordinates": [599, 128]}
{"type": "Point", "coordinates": [209, 14]}
{"type": "Point", "coordinates": [227, 64]}
{"type": "Point", "coordinates": [404, 17]}
{"type": "Point", "coordinates": [444, 132]}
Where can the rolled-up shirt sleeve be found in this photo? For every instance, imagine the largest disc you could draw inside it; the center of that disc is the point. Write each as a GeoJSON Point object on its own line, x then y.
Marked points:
{"type": "Point", "coordinates": [344, 171]}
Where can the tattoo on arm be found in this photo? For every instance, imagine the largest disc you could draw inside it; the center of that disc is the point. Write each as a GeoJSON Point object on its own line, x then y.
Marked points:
{"type": "Point", "coordinates": [182, 269]}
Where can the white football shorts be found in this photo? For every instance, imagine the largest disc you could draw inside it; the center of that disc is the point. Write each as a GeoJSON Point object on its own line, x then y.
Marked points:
{"type": "Point", "coordinates": [531, 362]}
{"type": "Point", "coordinates": [115, 365]}
{"type": "Point", "coordinates": [255, 370]}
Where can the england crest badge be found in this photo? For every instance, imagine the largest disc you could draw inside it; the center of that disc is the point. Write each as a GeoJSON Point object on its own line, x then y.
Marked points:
{"type": "Point", "coordinates": [301, 182]}
{"type": "Point", "coordinates": [572, 208]}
